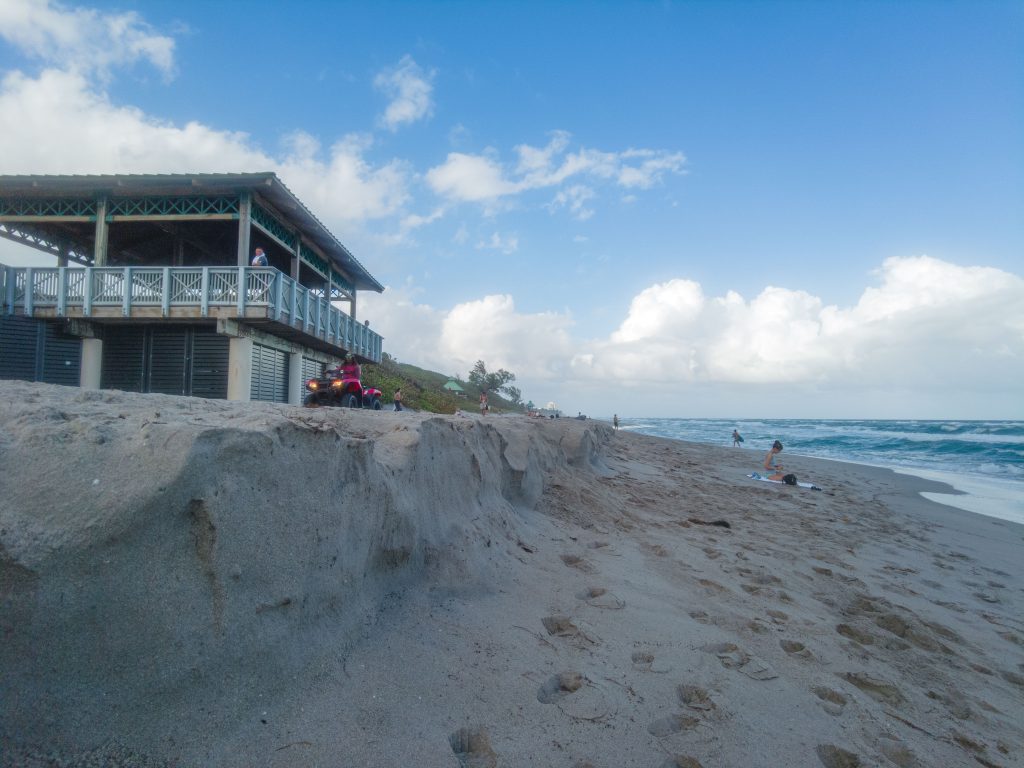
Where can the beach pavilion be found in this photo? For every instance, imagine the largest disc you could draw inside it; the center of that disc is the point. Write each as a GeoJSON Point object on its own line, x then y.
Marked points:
{"type": "Point", "coordinates": [152, 288]}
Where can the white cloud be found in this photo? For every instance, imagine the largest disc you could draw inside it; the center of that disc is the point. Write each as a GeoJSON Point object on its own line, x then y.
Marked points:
{"type": "Point", "coordinates": [473, 178]}
{"type": "Point", "coordinates": [480, 178]}
{"type": "Point", "coordinates": [59, 123]}
{"type": "Point", "coordinates": [83, 39]}
{"type": "Point", "coordinates": [574, 198]}
{"type": "Point", "coordinates": [410, 89]}
{"type": "Point", "coordinates": [929, 328]}
{"type": "Point", "coordinates": [506, 245]}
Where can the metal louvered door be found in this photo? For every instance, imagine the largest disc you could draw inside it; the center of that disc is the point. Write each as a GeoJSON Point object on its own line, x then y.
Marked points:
{"type": "Point", "coordinates": [168, 361]}
{"type": "Point", "coordinates": [269, 374]}
{"type": "Point", "coordinates": [36, 350]}
{"type": "Point", "coordinates": [19, 341]}
{"type": "Point", "coordinates": [311, 369]}
{"type": "Point", "coordinates": [209, 364]}
{"type": "Point", "coordinates": [124, 358]}
{"type": "Point", "coordinates": [61, 360]}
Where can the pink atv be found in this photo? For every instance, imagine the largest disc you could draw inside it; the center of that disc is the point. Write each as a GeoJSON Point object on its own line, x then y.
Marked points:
{"type": "Point", "coordinates": [347, 392]}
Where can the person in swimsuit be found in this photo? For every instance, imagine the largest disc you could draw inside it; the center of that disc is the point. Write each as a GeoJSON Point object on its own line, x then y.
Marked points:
{"type": "Point", "coordinates": [774, 470]}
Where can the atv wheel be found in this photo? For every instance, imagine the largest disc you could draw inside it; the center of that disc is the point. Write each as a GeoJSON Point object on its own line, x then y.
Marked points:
{"type": "Point", "coordinates": [350, 400]}
{"type": "Point", "coordinates": [375, 405]}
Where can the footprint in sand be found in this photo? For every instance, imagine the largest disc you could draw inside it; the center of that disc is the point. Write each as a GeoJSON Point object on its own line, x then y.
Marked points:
{"type": "Point", "coordinates": [695, 697]}
{"type": "Point", "coordinates": [832, 701]}
{"type": "Point", "coordinates": [673, 724]}
{"type": "Point", "coordinates": [880, 690]}
{"type": "Point", "coordinates": [576, 696]}
{"type": "Point", "coordinates": [472, 747]}
{"type": "Point", "coordinates": [898, 753]}
{"type": "Point", "coordinates": [643, 661]}
{"type": "Point", "coordinates": [563, 626]}
{"type": "Point", "coordinates": [575, 561]}
{"type": "Point", "coordinates": [732, 657]}
{"type": "Point", "coordinates": [857, 635]}
{"type": "Point", "coordinates": [832, 756]}
{"type": "Point", "coordinates": [599, 597]}
{"type": "Point", "coordinates": [795, 648]}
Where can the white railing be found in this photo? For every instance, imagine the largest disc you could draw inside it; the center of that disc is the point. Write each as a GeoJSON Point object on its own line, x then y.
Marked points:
{"type": "Point", "coordinates": [88, 288]}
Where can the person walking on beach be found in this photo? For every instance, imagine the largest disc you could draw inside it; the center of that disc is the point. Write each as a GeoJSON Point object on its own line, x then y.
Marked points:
{"type": "Point", "coordinates": [615, 422]}
{"type": "Point", "coordinates": [774, 470]}
{"type": "Point", "coordinates": [483, 403]}
{"type": "Point", "coordinates": [398, 399]}
{"type": "Point", "coordinates": [737, 438]}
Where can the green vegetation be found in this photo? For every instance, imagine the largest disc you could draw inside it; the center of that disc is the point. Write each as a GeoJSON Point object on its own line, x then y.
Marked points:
{"type": "Point", "coordinates": [424, 390]}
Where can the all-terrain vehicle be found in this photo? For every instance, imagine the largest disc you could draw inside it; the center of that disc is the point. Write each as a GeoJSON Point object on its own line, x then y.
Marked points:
{"type": "Point", "coordinates": [344, 391]}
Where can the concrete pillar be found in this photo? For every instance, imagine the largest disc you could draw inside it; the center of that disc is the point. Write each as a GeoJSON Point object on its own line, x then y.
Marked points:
{"type": "Point", "coordinates": [240, 369]}
{"type": "Point", "coordinates": [92, 364]}
{"type": "Point", "coordinates": [296, 384]}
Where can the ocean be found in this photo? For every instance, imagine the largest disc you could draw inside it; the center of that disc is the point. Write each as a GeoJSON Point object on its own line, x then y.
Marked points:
{"type": "Point", "coordinates": [983, 459]}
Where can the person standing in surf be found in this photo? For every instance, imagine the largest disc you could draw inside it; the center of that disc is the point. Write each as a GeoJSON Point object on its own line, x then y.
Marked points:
{"type": "Point", "coordinates": [737, 438]}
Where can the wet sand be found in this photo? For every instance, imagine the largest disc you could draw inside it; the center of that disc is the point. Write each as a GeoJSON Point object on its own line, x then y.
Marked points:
{"type": "Point", "coordinates": [192, 582]}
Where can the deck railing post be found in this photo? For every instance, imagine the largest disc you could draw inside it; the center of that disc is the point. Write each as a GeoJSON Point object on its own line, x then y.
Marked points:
{"type": "Point", "coordinates": [241, 291]}
{"type": "Point", "coordinates": [126, 293]}
{"type": "Point", "coordinates": [295, 300]}
{"type": "Point", "coordinates": [62, 291]}
{"type": "Point", "coordinates": [166, 302]}
{"type": "Point", "coordinates": [30, 289]}
{"type": "Point", "coordinates": [87, 293]}
{"type": "Point", "coordinates": [204, 292]}
{"type": "Point", "coordinates": [278, 294]}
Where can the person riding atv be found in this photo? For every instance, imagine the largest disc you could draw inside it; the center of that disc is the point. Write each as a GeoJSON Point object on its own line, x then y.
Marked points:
{"type": "Point", "coordinates": [342, 386]}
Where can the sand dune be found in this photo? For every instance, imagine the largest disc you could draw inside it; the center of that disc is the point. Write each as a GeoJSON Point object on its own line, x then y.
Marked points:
{"type": "Point", "coordinates": [189, 582]}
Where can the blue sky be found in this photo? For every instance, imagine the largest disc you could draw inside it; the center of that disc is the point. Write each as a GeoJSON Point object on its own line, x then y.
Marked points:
{"type": "Point", "coordinates": [749, 209]}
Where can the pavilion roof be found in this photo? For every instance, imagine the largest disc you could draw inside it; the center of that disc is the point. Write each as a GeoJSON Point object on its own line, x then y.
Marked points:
{"type": "Point", "coordinates": [266, 183]}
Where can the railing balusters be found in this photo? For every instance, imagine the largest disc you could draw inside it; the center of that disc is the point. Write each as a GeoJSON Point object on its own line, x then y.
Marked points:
{"type": "Point", "coordinates": [63, 290]}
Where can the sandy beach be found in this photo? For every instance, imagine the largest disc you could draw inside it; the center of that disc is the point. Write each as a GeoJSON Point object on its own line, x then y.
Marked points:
{"type": "Point", "coordinates": [190, 582]}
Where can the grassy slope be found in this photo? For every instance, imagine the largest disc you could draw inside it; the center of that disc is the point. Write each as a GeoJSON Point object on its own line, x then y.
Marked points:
{"type": "Point", "coordinates": [424, 390]}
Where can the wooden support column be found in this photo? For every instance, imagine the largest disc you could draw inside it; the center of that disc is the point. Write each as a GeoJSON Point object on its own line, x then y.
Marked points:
{"type": "Point", "coordinates": [352, 305]}
{"type": "Point", "coordinates": [244, 228]}
{"type": "Point", "coordinates": [99, 248]}
{"type": "Point", "coordinates": [179, 251]}
{"type": "Point", "coordinates": [296, 257]}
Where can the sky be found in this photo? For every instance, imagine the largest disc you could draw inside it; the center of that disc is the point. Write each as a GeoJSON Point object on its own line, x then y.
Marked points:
{"type": "Point", "coordinates": [693, 209]}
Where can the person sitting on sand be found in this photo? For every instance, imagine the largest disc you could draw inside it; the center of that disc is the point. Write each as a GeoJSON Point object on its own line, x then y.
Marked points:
{"type": "Point", "coordinates": [770, 466]}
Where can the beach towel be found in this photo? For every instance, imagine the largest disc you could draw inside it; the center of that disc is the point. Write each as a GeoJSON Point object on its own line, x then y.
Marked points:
{"type": "Point", "coordinates": [756, 476]}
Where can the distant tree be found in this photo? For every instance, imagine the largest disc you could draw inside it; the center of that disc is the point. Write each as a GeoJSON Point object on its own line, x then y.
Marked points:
{"type": "Point", "coordinates": [499, 381]}
{"type": "Point", "coordinates": [514, 394]}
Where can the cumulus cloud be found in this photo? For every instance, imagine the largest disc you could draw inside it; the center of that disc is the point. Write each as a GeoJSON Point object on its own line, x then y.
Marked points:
{"type": "Point", "coordinates": [410, 89]}
{"type": "Point", "coordinates": [60, 122]}
{"type": "Point", "coordinates": [474, 178]}
{"type": "Point", "coordinates": [928, 326]}
{"type": "Point", "coordinates": [478, 178]}
{"type": "Point", "coordinates": [536, 345]}
{"type": "Point", "coordinates": [928, 321]}
{"type": "Point", "coordinates": [83, 39]}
